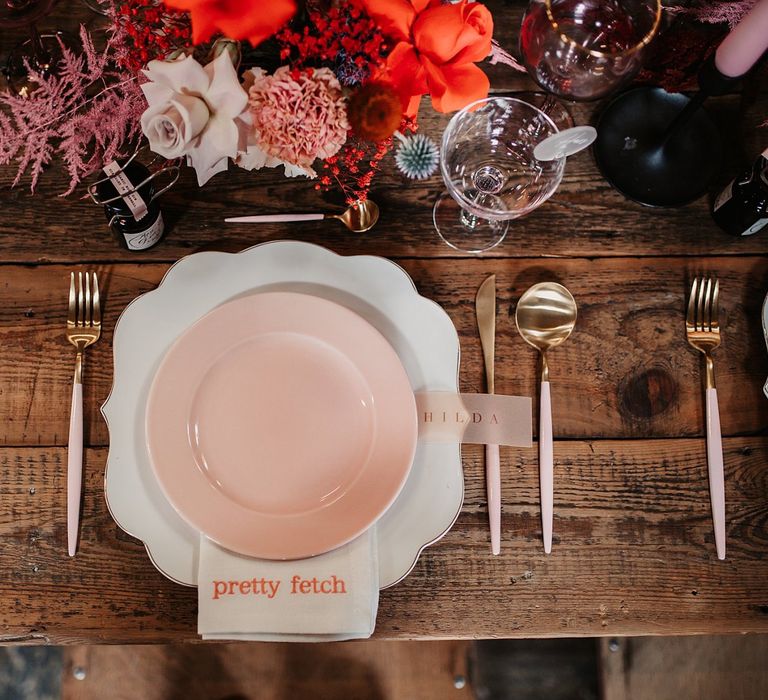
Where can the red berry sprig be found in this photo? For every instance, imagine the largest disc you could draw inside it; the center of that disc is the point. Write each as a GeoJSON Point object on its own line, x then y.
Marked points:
{"type": "Point", "coordinates": [150, 30]}
{"type": "Point", "coordinates": [355, 165]}
{"type": "Point", "coordinates": [343, 38]}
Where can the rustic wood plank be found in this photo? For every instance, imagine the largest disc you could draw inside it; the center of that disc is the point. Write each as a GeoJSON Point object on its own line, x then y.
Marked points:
{"type": "Point", "coordinates": [633, 548]}
{"type": "Point", "coordinates": [373, 670]}
{"type": "Point", "coordinates": [653, 668]}
{"type": "Point", "coordinates": [627, 371]}
{"type": "Point", "coordinates": [633, 553]}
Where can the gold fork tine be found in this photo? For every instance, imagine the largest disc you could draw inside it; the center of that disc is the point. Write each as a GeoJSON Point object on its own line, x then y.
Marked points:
{"type": "Point", "coordinates": [96, 301]}
{"type": "Point", "coordinates": [72, 309]}
{"type": "Point", "coordinates": [88, 317]}
{"type": "Point", "coordinates": [697, 283]}
{"type": "Point", "coordinates": [706, 319]}
{"type": "Point", "coordinates": [715, 323]}
{"type": "Point", "coordinates": [700, 306]}
{"type": "Point", "coordinates": [80, 300]}
{"type": "Point", "coordinates": [690, 317]}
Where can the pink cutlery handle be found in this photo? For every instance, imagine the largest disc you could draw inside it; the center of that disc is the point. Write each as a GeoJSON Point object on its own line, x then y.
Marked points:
{"type": "Point", "coordinates": [546, 478]}
{"type": "Point", "coordinates": [493, 492]}
{"type": "Point", "coordinates": [274, 218]}
{"type": "Point", "coordinates": [74, 466]}
{"type": "Point", "coordinates": [715, 467]}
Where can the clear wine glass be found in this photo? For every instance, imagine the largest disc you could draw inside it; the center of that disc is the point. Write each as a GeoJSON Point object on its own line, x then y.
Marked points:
{"type": "Point", "coordinates": [492, 176]}
{"type": "Point", "coordinates": [586, 49]}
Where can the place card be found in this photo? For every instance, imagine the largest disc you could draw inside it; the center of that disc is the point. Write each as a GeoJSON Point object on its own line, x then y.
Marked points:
{"type": "Point", "coordinates": [483, 419]}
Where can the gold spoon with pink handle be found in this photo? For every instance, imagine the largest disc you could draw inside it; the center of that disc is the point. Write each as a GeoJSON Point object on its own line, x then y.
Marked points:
{"type": "Point", "coordinates": [545, 317]}
{"type": "Point", "coordinates": [358, 218]}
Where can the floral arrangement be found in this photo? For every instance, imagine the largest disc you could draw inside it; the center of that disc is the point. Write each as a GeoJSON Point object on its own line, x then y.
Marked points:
{"type": "Point", "coordinates": [322, 88]}
{"type": "Point", "coordinates": [352, 76]}
{"type": "Point", "coordinates": [198, 80]}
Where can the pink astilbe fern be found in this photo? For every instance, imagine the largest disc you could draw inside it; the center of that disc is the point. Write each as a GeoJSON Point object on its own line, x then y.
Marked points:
{"type": "Point", "coordinates": [87, 114]}
{"type": "Point", "coordinates": [728, 12]}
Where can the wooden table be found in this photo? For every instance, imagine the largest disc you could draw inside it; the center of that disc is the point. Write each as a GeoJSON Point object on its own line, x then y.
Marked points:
{"type": "Point", "coordinates": [633, 551]}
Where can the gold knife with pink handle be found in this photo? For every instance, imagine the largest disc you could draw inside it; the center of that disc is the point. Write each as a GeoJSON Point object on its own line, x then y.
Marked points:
{"type": "Point", "coordinates": [485, 310]}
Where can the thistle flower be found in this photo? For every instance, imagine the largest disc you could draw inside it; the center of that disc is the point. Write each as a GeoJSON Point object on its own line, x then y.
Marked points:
{"type": "Point", "coordinates": [417, 156]}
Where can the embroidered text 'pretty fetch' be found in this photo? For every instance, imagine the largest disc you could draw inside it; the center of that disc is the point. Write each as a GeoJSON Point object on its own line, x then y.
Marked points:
{"type": "Point", "coordinates": [269, 587]}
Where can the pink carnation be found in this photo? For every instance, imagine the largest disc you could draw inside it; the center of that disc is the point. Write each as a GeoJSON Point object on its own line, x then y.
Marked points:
{"type": "Point", "coordinates": [296, 120]}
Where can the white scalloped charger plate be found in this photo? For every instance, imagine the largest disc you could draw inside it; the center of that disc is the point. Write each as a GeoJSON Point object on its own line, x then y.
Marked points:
{"type": "Point", "coordinates": [380, 291]}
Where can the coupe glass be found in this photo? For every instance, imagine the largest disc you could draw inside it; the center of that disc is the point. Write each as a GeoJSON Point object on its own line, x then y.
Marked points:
{"type": "Point", "coordinates": [492, 176]}
{"type": "Point", "coordinates": [585, 49]}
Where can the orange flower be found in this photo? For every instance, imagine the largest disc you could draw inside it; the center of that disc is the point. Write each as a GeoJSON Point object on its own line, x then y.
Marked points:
{"type": "Point", "coordinates": [375, 111]}
{"type": "Point", "coordinates": [256, 20]}
{"type": "Point", "coordinates": [437, 47]}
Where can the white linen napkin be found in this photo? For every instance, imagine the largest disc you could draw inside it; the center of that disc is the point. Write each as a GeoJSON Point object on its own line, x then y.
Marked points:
{"type": "Point", "coordinates": [330, 597]}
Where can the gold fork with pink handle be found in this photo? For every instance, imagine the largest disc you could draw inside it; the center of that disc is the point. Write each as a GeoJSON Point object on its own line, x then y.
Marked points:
{"type": "Point", "coordinates": [702, 326]}
{"type": "Point", "coordinates": [83, 330]}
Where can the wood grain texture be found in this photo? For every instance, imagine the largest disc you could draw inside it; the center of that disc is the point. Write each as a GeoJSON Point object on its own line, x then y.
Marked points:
{"type": "Point", "coordinates": [353, 670]}
{"type": "Point", "coordinates": [633, 553]}
{"type": "Point", "coordinates": [717, 668]}
{"type": "Point", "coordinates": [633, 549]}
{"type": "Point", "coordinates": [627, 371]}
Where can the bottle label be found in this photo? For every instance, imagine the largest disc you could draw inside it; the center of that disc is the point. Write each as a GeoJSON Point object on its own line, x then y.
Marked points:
{"type": "Point", "coordinates": [147, 238]}
{"type": "Point", "coordinates": [754, 228]}
{"type": "Point", "coordinates": [126, 188]}
{"type": "Point", "coordinates": [725, 196]}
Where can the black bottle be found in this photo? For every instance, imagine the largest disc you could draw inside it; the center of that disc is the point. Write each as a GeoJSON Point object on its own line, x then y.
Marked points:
{"type": "Point", "coordinates": [741, 209]}
{"type": "Point", "coordinates": [133, 230]}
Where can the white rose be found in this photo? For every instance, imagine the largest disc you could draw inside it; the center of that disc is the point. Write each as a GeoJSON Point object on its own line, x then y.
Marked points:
{"type": "Point", "coordinates": [171, 131]}
{"type": "Point", "coordinates": [192, 110]}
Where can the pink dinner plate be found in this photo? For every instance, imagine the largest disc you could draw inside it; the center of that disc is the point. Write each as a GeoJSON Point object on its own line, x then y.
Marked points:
{"type": "Point", "coordinates": [281, 425]}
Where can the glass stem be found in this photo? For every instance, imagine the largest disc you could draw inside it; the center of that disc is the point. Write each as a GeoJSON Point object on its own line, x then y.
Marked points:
{"type": "Point", "coordinates": [468, 220]}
